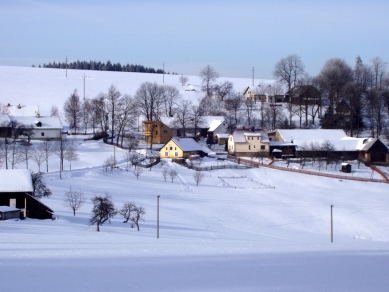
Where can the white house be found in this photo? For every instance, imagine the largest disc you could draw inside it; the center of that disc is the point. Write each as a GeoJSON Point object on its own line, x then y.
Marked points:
{"type": "Point", "coordinates": [244, 142]}
{"type": "Point", "coordinates": [44, 128]}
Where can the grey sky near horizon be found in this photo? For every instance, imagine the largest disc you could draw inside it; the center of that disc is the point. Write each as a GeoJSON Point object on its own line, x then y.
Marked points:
{"type": "Point", "coordinates": [232, 36]}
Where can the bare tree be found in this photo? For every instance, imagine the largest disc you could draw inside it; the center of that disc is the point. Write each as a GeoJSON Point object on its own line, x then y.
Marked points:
{"type": "Point", "coordinates": [38, 157]}
{"type": "Point", "coordinates": [47, 149]}
{"type": "Point", "coordinates": [71, 154]}
{"type": "Point", "coordinates": [208, 75]}
{"type": "Point", "coordinates": [110, 162]}
{"type": "Point", "coordinates": [61, 147]}
{"type": "Point", "coordinates": [249, 108]}
{"type": "Point", "coordinates": [183, 114]}
{"type": "Point", "coordinates": [138, 215]}
{"type": "Point", "coordinates": [138, 171]}
{"type": "Point", "coordinates": [334, 75]}
{"type": "Point", "coordinates": [127, 211]}
{"type": "Point", "coordinates": [171, 98]}
{"type": "Point", "coordinates": [103, 210]}
{"type": "Point", "coordinates": [15, 154]}
{"type": "Point", "coordinates": [132, 143]}
{"type": "Point", "coordinates": [54, 112]}
{"type": "Point", "coordinates": [149, 99]}
{"type": "Point", "coordinates": [173, 173]}
{"type": "Point", "coordinates": [183, 80]}
{"type": "Point", "coordinates": [289, 69]}
{"type": "Point", "coordinates": [112, 99]}
{"type": "Point", "coordinates": [198, 177]}
{"type": "Point", "coordinates": [223, 90]}
{"type": "Point", "coordinates": [73, 110]}
{"type": "Point", "coordinates": [232, 105]}
{"type": "Point", "coordinates": [73, 199]}
{"type": "Point", "coordinates": [25, 149]}
{"type": "Point", "coordinates": [125, 118]}
{"type": "Point", "coordinates": [165, 173]}
{"type": "Point", "coordinates": [379, 67]}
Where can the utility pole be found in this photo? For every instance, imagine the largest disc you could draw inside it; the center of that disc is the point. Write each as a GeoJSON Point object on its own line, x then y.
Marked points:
{"type": "Point", "coordinates": [66, 66]}
{"type": "Point", "coordinates": [332, 226]}
{"type": "Point", "coordinates": [84, 86]}
{"type": "Point", "coordinates": [158, 216]}
{"type": "Point", "coordinates": [253, 76]}
{"type": "Point", "coordinates": [163, 72]}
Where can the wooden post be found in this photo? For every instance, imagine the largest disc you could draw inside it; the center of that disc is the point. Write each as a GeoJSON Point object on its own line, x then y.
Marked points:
{"type": "Point", "coordinates": [332, 226]}
{"type": "Point", "coordinates": [158, 216]}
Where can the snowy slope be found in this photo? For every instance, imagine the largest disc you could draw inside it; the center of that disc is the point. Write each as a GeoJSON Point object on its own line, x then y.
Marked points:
{"type": "Point", "coordinates": [213, 237]}
{"type": "Point", "coordinates": [47, 87]}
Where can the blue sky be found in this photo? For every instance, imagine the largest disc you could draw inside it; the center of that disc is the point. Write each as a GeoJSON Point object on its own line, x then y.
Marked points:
{"type": "Point", "coordinates": [232, 36]}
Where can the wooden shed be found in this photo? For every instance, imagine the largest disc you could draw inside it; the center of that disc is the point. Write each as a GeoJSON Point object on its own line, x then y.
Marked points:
{"type": "Point", "coordinates": [16, 191]}
{"type": "Point", "coordinates": [7, 212]}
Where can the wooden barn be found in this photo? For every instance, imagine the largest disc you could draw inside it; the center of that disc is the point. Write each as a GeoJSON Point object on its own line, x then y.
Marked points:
{"type": "Point", "coordinates": [16, 191]}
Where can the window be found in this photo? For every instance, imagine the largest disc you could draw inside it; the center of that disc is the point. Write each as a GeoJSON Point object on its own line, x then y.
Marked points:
{"type": "Point", "coordinates": [175, 153]}
{"type": "Point", "coordinates": [257, 138]}
{"type": "Point", "coordinates": [254, 146]}
{"type": "Point", "coordinates": [171, 148]}
{"type": "Point", "coordinates": [175, 148]}
{"type": "Point", "coordinates": [156, 132]}
{"type": "Point", "coordinates": [42, 134]}
{"type": "Point", "coordinates": [166, 153]}
{"type": "Point", "coordinates": [263, 147]}
{"type": "Point", "coordinates": [249, 147]}
{"type": "Point", "coordinates": [166, 148]}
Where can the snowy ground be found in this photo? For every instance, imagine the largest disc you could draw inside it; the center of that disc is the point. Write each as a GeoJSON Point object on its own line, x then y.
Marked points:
{"type": "Point", "coordinates": [212, 238]}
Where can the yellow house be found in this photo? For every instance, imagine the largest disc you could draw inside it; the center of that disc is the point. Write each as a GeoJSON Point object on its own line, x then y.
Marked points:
{"type": "Point", "coordinates": [248, 143]}
{"type": "Point", "coordinates": [156, 132]}
{"type": "Point", "coordinates": [249, 94]}
{"type": "Point", "coordinates": [180, 148]}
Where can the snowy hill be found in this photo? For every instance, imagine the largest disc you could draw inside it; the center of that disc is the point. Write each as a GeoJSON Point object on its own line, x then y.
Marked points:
{"type": "Point", "coordinates": [256, 229]}
{"type": "Point", "coordinates": [47, 87]}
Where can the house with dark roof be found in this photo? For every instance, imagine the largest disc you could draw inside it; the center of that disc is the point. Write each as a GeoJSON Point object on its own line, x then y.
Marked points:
{"type": "Point", "coordinates": [303, 94]}
{"type": "Point", "coordinates": [180, 148]}
{"type": "Point", "coordinates": [247, 143]}
{"type": "Point", "coordinates": [16, 191]}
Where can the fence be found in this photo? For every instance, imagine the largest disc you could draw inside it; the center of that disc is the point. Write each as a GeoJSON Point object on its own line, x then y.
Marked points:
{"type": "Point", "coordinates": [308, 172]}
{"type": "Point", "coordinates": [262, 186]}
{"type": "Point", "coordinates": [212, 167]}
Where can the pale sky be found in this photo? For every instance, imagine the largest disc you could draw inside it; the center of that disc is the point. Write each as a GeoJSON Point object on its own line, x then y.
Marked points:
{"type": "Point", "coordinates": [232, 36]}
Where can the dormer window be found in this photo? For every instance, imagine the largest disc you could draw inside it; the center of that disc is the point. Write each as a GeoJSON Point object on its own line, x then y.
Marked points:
{"type": "Point", "coordinates": [38, 124]}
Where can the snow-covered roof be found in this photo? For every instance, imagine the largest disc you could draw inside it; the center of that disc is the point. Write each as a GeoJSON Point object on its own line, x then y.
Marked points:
{"type": "Point", "coordinates": [23, 110]}
{"type": "Point", "coordinates": [281, 144]}
{"type": "Point", "coordinates": [207, 121]}
{"type": "Point", "coordinates": [187, 144]}
{"type": "Point", "coordinates": [4, 120]}
{"type": "Point", "coordinates": [214, 125]}
{"type": "Point", "coordinates": [15, 180]}
{"type": "Point", "coordinates": [223, 136]}
{"type": "Point", "coordinates": [308, 134]}
{"type": "Point", "coordinates": [8, 209]}
{"type": "Point", "coordinates": [47, 122]}
{"type": "Point", "coordinates": [239, 135]}
{"type": "Point", "coordinates": [344, 144]}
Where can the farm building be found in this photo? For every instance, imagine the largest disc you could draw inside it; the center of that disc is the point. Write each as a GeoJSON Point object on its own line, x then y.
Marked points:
{"type": "Point", "coordinates": [16, 191]}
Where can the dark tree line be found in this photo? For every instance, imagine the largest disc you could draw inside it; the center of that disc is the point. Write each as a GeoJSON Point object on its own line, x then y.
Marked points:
{"type": "Point", "coordinates": [101, 66]}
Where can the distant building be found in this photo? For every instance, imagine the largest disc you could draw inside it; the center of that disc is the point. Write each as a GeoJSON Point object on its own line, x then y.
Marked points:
{"type": "Point", "coordinates": [156, 132]}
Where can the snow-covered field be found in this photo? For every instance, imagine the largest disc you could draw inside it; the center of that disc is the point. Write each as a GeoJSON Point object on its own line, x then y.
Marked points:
{"type": "Point", "coordinates": [213, 237]}
{"type": "Point", "coordinates": [268, 230]}
{"type": "Point", "coordinates": [46, 87]}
